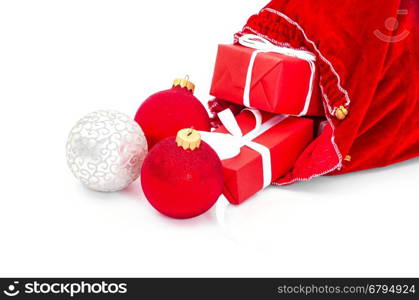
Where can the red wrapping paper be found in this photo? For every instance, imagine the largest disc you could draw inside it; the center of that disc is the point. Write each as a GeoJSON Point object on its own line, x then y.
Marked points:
{"type": "Point", "coordinates": [279, 83]}
{"type": "Point", "coordinates": [243, 174]}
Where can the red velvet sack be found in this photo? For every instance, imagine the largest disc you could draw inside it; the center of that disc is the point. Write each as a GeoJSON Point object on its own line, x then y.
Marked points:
{"type": "Point", "coordinates": [279, 83]}
{"type": "Point", "coordinates": [368, 78]}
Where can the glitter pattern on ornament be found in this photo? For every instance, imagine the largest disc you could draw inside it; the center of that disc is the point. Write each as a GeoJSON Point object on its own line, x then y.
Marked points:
{"type": "Point", "coordinates": [105, 150]}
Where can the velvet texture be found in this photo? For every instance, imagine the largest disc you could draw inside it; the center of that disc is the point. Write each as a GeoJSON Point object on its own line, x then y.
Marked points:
{"type": "Point", "coordinates": [367, 65]}
{"type": "Point", "coordinates": [164, 113]}
{"type": "Point", "coordinates": [181, 183]}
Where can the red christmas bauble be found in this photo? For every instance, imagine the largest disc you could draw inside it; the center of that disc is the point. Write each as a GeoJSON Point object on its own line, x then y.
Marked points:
{"type": "Point", "coordinates": [182, 177]}
{"type": "Point", "coordinates": [165, 113]}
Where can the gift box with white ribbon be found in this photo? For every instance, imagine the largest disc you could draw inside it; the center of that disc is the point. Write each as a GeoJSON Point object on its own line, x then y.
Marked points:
{"type": "Point", "coordinates": [256, 148]}
{"type": "Point", "coordinates": [258, 74]}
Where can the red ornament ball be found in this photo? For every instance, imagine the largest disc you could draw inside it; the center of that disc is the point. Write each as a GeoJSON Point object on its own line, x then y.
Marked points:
{"type": "Point", "coordinates": [182, 178]}
{"type": "Point", "coordinates": [165, 113]}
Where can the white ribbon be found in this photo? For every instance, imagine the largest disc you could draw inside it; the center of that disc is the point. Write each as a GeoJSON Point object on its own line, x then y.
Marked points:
{"type": "Point", "coordinates": [228, 145]}
{"type": "Point", "coordinates": [262, 45]}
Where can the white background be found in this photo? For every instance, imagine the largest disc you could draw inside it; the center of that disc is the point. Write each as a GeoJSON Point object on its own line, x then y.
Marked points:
{"type": "Point", "coordinates": [60, 60]}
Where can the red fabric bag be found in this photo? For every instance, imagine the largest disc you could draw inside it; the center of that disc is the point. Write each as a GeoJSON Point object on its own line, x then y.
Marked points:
{"type": "Point", "coordinates": [369, 74]}
{"type": "Point", "coordinates": [279, 83]}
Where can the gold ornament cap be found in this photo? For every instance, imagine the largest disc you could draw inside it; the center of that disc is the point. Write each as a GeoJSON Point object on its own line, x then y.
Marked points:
{"type": "Point", "coordinates": [188, 138]}
{"type": "Point", "coordinates": [184, 83]}
{"type": "Point", "coordinates": [341, 113]}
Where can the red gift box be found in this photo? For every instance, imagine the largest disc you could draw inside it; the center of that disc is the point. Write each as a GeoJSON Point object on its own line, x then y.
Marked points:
{"type": "Point", "coordinates": [279, 83]}
{"type": "Point", "coordinates": [243, 173]}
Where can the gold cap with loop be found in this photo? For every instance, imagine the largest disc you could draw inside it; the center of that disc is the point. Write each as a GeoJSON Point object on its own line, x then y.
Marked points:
{"type": "Point", "coordinates": [341, 113]}
{"type": "Point", "coordinates": [188, 138]}
{"type": "Point", "coordinates": [184, 83]}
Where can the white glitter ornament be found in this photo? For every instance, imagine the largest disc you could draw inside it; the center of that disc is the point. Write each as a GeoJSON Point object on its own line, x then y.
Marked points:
{"type": "Point", "coordinates": [105, 150]}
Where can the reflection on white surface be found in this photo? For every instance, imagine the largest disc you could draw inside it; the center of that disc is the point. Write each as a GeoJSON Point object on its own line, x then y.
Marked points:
{"type": "Point", "coordinates": [256, 220]}
{"type": "Point", "coordinates": [328, 214]}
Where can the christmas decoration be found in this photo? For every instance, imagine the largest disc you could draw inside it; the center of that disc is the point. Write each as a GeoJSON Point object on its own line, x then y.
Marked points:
{"type": "Point", "coordinates": [105, 150]}
{"type": "Point", "coordinates": [165, 113]}
{"type": "Point", "coordinates": [341, 113]}
{"type": "Point", "coordinates": [267, 77]}
{"type": "Point", "coordinates": [256, 148]}
{"type": "Point", "coordinates": [182, 176]}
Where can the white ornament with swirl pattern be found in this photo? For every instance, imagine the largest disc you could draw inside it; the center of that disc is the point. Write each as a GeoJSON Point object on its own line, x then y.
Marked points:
{"type": "Point", "coordinates": [105, 150]}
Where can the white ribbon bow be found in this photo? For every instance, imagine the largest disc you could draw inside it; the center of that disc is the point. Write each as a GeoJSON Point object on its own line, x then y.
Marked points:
{"type": "Point", "coordinates": [262, 45]}
{"type": "Point", "coordinates": [228, 145]}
